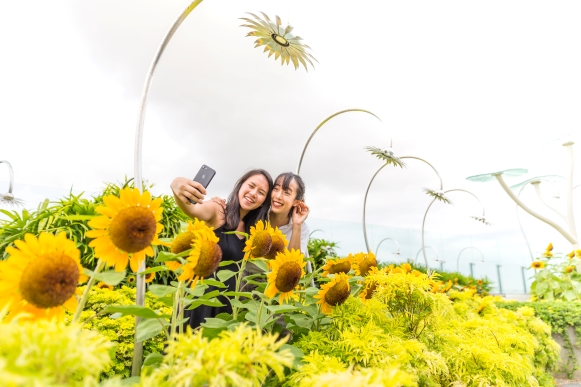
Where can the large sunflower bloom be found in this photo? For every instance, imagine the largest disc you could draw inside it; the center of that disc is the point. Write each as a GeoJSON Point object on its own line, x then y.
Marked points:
{"type": "Point", "coordinates": [184, 240]}
{"type": "Point", "coordinates": [279, 243]}
{"type": "Point", "coordinates": [340, 265]}
{"type": "Point", "coordinates": [334, 293]}
{"type": "Point", "coordinates": [364, 262]}
{"type": "Point", "coordinates": [287, 270]}
{"type": "Point", "coordinates": [203, 260]}
{"type": "Point", "coordinates": [260, 241]}
{"type": "Point", "coordinates": [40, 276]}
{"type": "Point", "coordinates": [129, 225]}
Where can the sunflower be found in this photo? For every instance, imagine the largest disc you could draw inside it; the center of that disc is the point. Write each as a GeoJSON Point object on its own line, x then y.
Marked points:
{"type": "Point", "coordinates": [279, 243]}
{"type": "Point", "coordinates": [368, 291]}
{"type": "Point", "coordinates": [278, 41]}
{"type": "Point", "coordinates": [287, 270]}
{"type": "Point", "coordinates": [103, 285]}
{"type": "Point", "coordinates": [364, 262]}
{"type": "Point", "coordinates": [260, 241]}
{"type": "Point", "coordinates": [129, 225]}
{"type": "Point", "coordinates": [334, 293]}
{"type": "Point", "coordinates": [571, 254]}
{"type": "Point", "coordinates": [203, 260]}
{"type": "Point", "coordinates": [131, 279]}
{"type": "Point", "coordinates": [340, 265]}
{"type": "Point", "coordinates": [184, 240]}
{"type": "Point", "coordinates": [149, 277]}
{"type": "Point", "coordinates": [537, 265]}
{"type": "Point", "coordinates": [9, 199]}
{"type": "Point", "coordinates": [569, 269]}
{"type": "Point", "coordinates": [40, 276]}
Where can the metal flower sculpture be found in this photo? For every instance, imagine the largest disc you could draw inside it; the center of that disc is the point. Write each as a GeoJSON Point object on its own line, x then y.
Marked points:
{"type": "Point", "coordinates": [8, 198]}
{"type": "Point", "coordinates": [481, 219]}
{"type": "Point", "coordinates": [386, 155]}
{"type": "Point", "coordinates": [279, 41]}
{"type": "Point", "coordinates": [437, 195]}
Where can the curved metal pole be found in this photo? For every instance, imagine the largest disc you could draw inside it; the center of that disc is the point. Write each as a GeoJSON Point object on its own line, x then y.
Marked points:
{"type": "Point", "coordinates": [323, 123]}
{"type": "Point", "coordinates": [521, 227]}
{"type": "Point", "coordinates": [369, 186]}
{"type": "Point", "coordinates": [428, 209]}
{"type": "Point", "coordinates": [570, 213]}
{"type": "Point", "coordinates": [140, 286]}
{"type": "Point", "coordinates": [557, 227]}
{"type": "Point", "coordinates": [11, 172]}
{"type": "Point", "coordinates": [314, 231]}
{"type": "Point", "coordinates": [385, 239]}
{"type": "Point", "coordinates": [537, 185]}
{"type": "Point", "coordinates": [461, 251]}
{"type": "Point", "coordinates": [423, 249]}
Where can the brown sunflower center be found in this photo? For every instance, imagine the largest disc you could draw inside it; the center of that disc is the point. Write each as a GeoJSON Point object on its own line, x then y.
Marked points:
{"type": "Point", "coordinates": [280, 40]}
{"type": "Point", "coordinates": [261, 244]}
{"type": "Point", "coordinates": [341, 267]}
{"type": "Point", "coordinates": [50, 281]}
{"type": "Point", "coordinates": [209, 260]}
{"type": "Point", "coordinates": [289, 274]}
{"type": "Point", "coordinates": [366, 265]}
{"type": "Point", "coordinates": [182, 242]}
{"type": "Point", "coordinates": [133, 229]}
{"type": "Point", "coordinates": [277, 247]}
{"type": "Point", "coordinates": [337, 294]}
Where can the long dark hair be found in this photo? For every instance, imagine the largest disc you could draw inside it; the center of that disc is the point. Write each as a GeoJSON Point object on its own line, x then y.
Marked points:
{"type": "Point", "coordinates": [232, 212]}
{"type": "Point", "coordinates": [284, 180]}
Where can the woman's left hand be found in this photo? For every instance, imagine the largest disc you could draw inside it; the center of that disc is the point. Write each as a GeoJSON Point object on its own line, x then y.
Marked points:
{"type": "Point", "coordinates": [300, 213]}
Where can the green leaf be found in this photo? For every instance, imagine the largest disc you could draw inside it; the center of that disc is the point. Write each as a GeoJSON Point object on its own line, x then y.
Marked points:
{"type": "Point", "coordinates": [153, 359]}
{"type": "Point", "coordinates": [281, 308]}
{"type": "Point", "coordinates": [134, 310]}
{"type": "Point", "coordinates": [161, 290]}
{"type": "Point", "coordinates": [79, 217]}
{"type": "Point", "coordinates": [239, 294]}
{"type": "Point", "coordinates": [154, 270]}
{"type": "Point", "coordinates": [541, 287]}
{"type": "Point", "coordinates": [226, 263]}
{"type": "Point", "coordinates": [261, 264]}
{"type": "Point", "coordinates": [218, 323]}
{"type": "Point", "coordinates": [223, 275]}
{"type": "Point", "coordinates": [212, 302]}
{"type": "Point", "coordinates": [212, 282]}
{"type": "Point", "coordinates": [148, 328]}
{"type": "Point", "coordinates": [132, 381]}
{"type": "Point", "coordinates": [297, 353]}
{"type": "Point", "coordinates": [110, 277]}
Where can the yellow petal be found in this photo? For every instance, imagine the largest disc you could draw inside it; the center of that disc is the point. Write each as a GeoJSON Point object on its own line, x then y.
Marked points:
{"type": "Point", "coordinates": [145, 199]}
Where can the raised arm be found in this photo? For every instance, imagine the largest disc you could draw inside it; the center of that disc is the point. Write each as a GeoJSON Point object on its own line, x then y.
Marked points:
{"type": "Point", "coordinates": [210, 212]}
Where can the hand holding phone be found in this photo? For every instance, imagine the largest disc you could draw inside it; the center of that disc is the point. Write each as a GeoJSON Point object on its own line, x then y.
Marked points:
{"type": "Point", "coordinates": [204, 177]}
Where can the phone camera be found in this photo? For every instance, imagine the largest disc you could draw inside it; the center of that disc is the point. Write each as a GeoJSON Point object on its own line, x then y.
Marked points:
{"type": "Point", "coordinates": [203, 167]}
{"type": "Point", "coordinates": [203, 176]}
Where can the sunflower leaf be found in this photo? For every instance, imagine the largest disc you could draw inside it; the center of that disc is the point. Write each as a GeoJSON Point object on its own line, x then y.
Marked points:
{"type": "Point", "coordinates": [223, 275]}
{"type": "Point", "coordinates": [134, 310]}
{"type": "Point", "coordinates": [281, 308]}
{"type": "Point", "coordinates": [148, 328]}
{"type": "Point", "coordinates": [212, 282]}
{"type": "Point", "coordinates": [154, 269]}
{"type": "Point", "coordinates": [161, 290]}
{"type": "Point", "coordinates": [110, 277]}
{"type": "Point", "coordinates": [212, 302]}
{"type": "Point", "coordinates": [226, 263]}
{"type": "Point", "coordinates": [297, 353]}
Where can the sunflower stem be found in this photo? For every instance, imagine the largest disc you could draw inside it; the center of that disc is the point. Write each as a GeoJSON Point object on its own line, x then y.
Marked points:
{"type": "Point", "coordinates": [85, 296]}
{"type": "Point", "coordinates": [176, 311]}
{"type": "Point", "coordinates": [259, 313]}
{"type": "Point", "coordinates": [238, 280]}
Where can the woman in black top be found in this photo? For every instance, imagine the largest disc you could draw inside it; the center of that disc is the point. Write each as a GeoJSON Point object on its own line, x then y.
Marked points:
{"type": "Point", "coordinates": [247, 204]}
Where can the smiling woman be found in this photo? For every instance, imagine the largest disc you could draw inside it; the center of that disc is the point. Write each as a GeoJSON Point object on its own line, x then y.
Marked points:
{"type": "Point", "coordinates": [245, 207]}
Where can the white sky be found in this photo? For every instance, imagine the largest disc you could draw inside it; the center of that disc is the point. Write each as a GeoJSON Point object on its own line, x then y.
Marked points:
{"type": "Point", "coordinates": [472, 87]}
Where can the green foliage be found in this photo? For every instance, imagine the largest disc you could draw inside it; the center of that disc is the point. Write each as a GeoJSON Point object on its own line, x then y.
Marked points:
{"type": "Point", "coordinates": [120, 330]}
{"type": "Point", "coordinates": [560, 279]}
{"type": "Point", "coordinates": [320, 249]}
{"type": "Point", "coordinates": [560, 316]}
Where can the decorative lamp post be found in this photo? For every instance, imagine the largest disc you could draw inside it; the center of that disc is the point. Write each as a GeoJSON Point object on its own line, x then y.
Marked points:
{"type": "Point", "coordinates": [318, 230]}
{"type": "Point", "coordinates": [461, 251]}
{"type": "Point", "coordinates": [424, 248]}
{"type": "Point", "coordinates": [569, 232]}
{"type": "Point", "coordinates": [276, 39]}
{"type": "Point", "coordinates": [8, 197]}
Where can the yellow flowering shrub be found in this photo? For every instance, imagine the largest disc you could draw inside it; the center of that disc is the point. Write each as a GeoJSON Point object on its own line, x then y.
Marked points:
{"type": "Point", "coordinates": [121, 330]}
{"type": "Point", "coordinates": [49, 353]}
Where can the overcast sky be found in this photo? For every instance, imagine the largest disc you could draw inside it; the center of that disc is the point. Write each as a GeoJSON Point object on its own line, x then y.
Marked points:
{"type": "Point", "coordinates": [472, 87]}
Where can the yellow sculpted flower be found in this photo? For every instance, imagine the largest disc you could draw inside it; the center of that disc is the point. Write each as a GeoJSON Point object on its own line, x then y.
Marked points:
{"type": "Point", "coordinates": [364, 262]}
{"type": "Point", "coordinates": [129, 225]}
{"type": "Point", "coordinates": [184, 240]}
{"type": "Point", "coordinates": [537, 265]}
{"type": "Point", "coordinates": [334, 293]}
{"type": "Point", "coordinates": [340, 265]}
{"type": "Point", "coordinates": [40, 276]}
{"type": "Point", "coordinates": [204, 258]}
{"type": "Point", "coordinates": [260, 241]}
{"type": "Point", "coordinates": [287, 270]}
{"type": "Point", "coordinates": [279, 243]}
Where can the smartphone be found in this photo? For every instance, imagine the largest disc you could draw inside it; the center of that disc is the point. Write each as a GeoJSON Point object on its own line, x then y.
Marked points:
{"type": "Point", "coordinates": [204, 177]}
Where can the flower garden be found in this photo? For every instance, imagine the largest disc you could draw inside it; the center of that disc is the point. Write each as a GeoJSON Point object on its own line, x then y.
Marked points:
{"type": "Point", "coordinates": [68, 302]}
